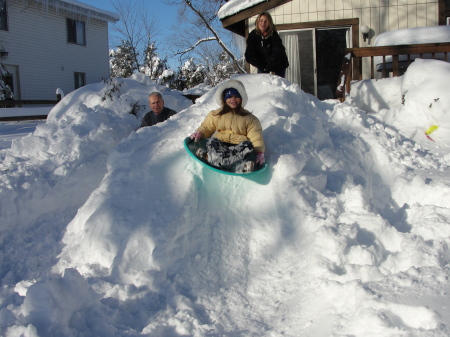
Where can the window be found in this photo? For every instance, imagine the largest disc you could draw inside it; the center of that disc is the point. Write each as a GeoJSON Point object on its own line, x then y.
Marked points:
{"type": "Point", "coordinates": [444, 12]}
{"type": "Point", "coordinates": [76, 32]}
{"type": "Point", "coordinates": [80, 80]}
{"type": "Point", "coordinates": [7, 92]}
{"type": "Point", "coordinates": [3, 22]}
{"type": "Point", "coordinates": [447, 11]}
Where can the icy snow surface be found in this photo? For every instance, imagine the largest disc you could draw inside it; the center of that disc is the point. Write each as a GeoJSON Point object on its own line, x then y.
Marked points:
{"type": "Point", "coordinates": [110, 230]}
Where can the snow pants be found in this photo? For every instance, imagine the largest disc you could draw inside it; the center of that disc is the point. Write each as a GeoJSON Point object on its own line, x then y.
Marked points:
{"type": "Point", "coordinates": [228, 156]}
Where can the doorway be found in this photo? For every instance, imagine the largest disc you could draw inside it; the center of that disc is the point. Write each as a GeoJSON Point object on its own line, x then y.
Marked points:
{"type": "Point", "coordinates": [330, 51]}
{"type": "Point", "coordinates": [315, 58]}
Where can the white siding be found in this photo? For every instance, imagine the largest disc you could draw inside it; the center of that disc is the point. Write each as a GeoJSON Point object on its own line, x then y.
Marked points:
{"type": "Point", "coordinates": [37, 44]}
{"type": "Point", "coordinates": [379, 15]}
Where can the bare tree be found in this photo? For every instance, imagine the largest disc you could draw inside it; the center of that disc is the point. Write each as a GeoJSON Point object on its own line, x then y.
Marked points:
{"type": "Point", "coordinates": [136, 28]}
{"type": "Point", "coordinates": [202, 27]}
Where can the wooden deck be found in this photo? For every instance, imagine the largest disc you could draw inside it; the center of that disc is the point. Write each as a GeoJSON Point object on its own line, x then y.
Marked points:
{"type": "Point", "coordinates": [393, 61]}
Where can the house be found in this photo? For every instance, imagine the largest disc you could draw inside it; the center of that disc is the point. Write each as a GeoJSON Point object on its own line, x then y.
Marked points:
{"type": "Point", "coordinates": [317, 32]}
{"type": "Point", "coordinates": [51, 44]}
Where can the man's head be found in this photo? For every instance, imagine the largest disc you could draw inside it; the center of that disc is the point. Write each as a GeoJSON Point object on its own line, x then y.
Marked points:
{"type": "Point", "coordinates": [156, 102]}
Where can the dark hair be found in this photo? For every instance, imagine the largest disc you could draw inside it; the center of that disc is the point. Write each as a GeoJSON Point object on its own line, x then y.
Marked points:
{"type": "Point", "coordinates": [271, 27]}
{"type": "Point", "coordinates": [226, 108]}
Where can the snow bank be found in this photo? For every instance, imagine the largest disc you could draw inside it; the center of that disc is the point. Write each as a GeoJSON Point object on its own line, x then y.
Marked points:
{"type": "Point", "coordinates": [413, 104]}
{"type": "Point", "coordinates": [346, 233]}
{"type": "Point", "coordinates": [59, 165]}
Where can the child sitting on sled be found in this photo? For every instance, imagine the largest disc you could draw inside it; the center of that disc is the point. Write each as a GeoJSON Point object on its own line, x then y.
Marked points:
{"type": "Point", "coordinates": [233, 131]}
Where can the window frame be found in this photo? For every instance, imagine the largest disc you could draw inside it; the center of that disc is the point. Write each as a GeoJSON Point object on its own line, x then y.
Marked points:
{"type": "Point", "coordinates": [77, 76]}
{"type": "Point", "coordinates": [4, 16]}
{"type": "Point", "coordinates": [73, 35]}
{"type": "Point", "coordinates": [444, 12]}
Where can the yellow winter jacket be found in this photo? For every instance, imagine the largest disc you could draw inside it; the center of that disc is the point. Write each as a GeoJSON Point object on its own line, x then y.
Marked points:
{"type": "Point", "coordinates": [233, 128]}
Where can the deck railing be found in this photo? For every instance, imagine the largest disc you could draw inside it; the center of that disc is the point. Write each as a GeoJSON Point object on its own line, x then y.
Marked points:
{"type": "Point", "coordinates": [389, 61]}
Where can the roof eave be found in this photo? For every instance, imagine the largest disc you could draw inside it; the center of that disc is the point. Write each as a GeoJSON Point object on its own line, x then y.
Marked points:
{"type": "Point", "coordinates": [82, 9]}
{"type": "Point", "coordinates": [236, 22]}
{"type": "Point", "coordinates": [101, 15]}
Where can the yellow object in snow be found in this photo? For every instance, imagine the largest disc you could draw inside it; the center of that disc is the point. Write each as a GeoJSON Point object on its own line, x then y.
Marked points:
{"type": "Point", "coordinates": [431, 129]}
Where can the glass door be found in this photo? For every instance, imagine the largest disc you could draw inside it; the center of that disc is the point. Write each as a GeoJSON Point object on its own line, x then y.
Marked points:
{"type": "Point", "coordinates": [315, 58]}
{"type": "Point", "coordinates": [300, 47]}
{"type": "Point", "coordinates": [330, 51]}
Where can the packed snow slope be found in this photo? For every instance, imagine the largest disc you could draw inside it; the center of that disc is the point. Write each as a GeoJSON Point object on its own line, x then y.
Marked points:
{"type": "Point", "coordinates": [110, 230]}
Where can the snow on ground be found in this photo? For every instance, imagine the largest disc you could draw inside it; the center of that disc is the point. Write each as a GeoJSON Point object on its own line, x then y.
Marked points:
{"type": "Point", "coordinates": [29, 111]}
{"type": "Point", "coordinates": [110, 230]}
{"type": "Point", "coordinates": [16, 129]}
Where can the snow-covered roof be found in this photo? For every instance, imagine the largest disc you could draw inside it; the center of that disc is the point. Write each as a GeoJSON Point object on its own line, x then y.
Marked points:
{"type": "Point", "coordinates": [418, 35]}
{"type": "Point", "coordinates": [79, 8]}
{"type": "Point", "coordinates": [235, 6]}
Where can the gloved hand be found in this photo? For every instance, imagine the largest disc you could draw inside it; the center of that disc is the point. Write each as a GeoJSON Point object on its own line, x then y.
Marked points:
{"type": "Point", "coordinates": [269, 66]}
{"type": "Point", "coordinates": [260, 160]}
{"type": "Point", "coordinates": [196, 136]}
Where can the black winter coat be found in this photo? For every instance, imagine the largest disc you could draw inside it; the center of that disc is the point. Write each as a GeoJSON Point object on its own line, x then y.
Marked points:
{"type": "Point", "coordinates": [151, 119]}
{"type": "Point", "coordinates": [266, 53]}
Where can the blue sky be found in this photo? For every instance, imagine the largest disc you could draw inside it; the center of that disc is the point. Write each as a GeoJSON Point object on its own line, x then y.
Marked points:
{"type": "Point", "coordinates": [165, 15]}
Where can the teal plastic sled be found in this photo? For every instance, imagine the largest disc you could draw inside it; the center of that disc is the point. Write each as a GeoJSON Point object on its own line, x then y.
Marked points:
{"type": "Point", "coordinates": [191, 147]}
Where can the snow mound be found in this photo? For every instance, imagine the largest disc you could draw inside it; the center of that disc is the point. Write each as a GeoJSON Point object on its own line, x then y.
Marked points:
{"type": "Point", "coordinates": [346, 233]}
